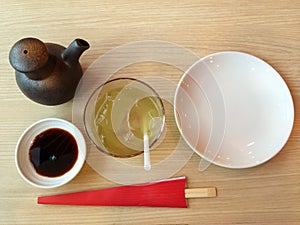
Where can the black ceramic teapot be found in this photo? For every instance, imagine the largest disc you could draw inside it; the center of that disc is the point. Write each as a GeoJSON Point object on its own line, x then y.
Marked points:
{"type": "Point", "coordinates": [47, 73]}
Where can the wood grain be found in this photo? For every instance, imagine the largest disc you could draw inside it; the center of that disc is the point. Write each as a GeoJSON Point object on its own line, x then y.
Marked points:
{"type": "Point", "coordinates": [267, 194]}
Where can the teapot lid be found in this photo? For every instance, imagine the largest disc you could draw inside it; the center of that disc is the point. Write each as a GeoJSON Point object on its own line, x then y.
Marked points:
{"type": "Point", "coordinates": [28, 54]}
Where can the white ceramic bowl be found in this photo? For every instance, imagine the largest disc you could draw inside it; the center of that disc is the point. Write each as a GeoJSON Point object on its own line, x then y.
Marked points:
{"type": "Point", "coordinates": [25, 167]}
{"type": "Point", "coordinates": [258, 112]}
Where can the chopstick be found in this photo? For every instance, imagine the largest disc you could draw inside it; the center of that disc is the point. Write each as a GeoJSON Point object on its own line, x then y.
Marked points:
{"type": "Point", "coordinates": [200, 192]}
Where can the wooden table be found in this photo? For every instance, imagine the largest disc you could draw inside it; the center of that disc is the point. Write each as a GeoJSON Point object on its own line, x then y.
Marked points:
{"type": "Point", "coordinates": [266, 194]}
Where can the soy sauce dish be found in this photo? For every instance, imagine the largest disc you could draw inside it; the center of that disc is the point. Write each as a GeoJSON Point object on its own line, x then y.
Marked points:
{"type": "Point", "coordinates": [50, 153]}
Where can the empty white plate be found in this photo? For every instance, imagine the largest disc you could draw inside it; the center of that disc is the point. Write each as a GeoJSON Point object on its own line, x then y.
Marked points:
{"type": "Point", "coordinates": [248, 123]}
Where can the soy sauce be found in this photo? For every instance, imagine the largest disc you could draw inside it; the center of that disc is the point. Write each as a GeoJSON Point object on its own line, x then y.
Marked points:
{"type": "Point", "coordinates": [53, 152]}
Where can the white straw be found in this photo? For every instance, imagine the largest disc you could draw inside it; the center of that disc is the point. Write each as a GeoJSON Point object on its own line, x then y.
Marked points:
{"type": "Point", "coordinates": [147, 165]}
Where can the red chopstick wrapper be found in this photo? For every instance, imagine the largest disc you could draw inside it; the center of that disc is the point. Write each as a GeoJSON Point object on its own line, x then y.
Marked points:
{"type": "Point", "coordinates": [164, 193]}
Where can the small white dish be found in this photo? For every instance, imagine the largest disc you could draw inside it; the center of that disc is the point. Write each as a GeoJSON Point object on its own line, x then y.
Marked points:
{"type": "Point", "coordinates": [22, 158]}
{"type": "Point", "coordinates": [259, 110]}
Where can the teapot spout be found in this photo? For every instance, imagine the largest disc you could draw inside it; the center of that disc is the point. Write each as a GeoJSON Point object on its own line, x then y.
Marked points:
{"type": "Point", "coordinates": [71, 54]}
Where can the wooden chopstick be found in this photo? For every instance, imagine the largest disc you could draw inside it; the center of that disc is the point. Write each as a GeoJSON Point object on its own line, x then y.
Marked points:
{"type": "Point", "coordinates": [200, 192]}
